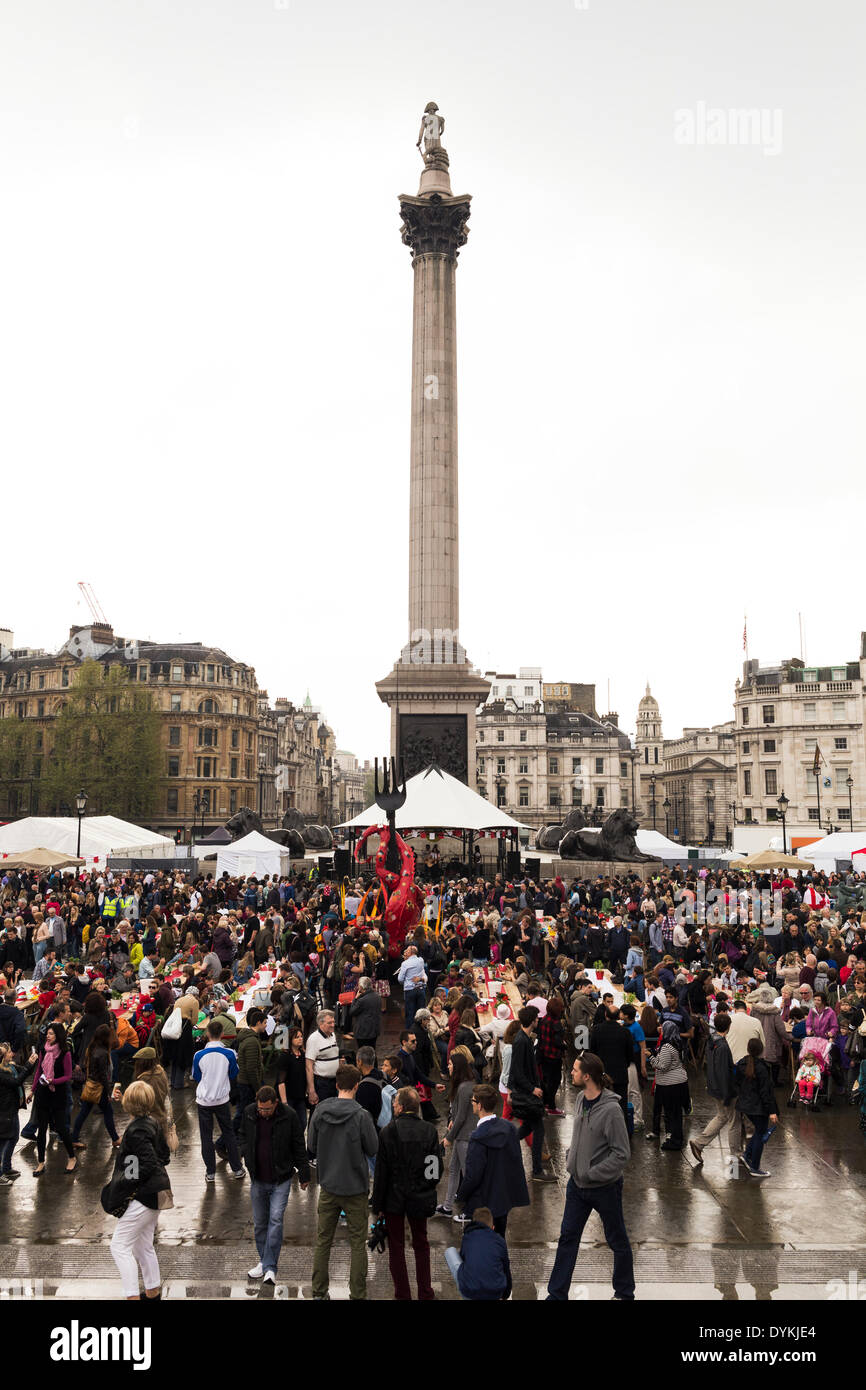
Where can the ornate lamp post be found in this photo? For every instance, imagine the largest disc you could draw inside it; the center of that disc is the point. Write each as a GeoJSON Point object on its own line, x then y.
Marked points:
{"type": "Point", "coordinates": [653, 798]}
{"type": "Point", "coordinates": [849, 783]}
{"type": "Point", "coordinates": [666, 806]}
{"type": "Point", "coordinates": [80, 803]}
{"type": "Point", "coordinates": [783, 804]}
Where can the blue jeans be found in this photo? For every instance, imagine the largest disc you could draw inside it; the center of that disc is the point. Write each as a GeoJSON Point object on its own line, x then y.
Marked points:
{"type": "Point", "coordinates": [7, 1147]}
{"type": "Point", "coordinates": [454, 1263]}
{"type": "Point", "coordinates": [269, 1204]}
{"type": "Point", "coordinates": [117, 1055]}
{"type": "Point", "coordinates": [223, 1116]}
{"type": "Point", "coordinates": [107, 1114]}
{"type": "Point", "coordinates": [580, 1203]}
{"type": "Point", "coordinates": [755, 1147]}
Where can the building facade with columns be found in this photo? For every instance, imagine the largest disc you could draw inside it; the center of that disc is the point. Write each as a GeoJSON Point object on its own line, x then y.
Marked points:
{"type": "Point", "coordinates": [799, 731]}
{"type": "Point", "coordinates": [539, 764]}
{"type": "Point", "coordinates": [697, 786]}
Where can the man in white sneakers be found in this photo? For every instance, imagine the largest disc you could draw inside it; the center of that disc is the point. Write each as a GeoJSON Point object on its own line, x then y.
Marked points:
{"type": "Point", "coordinates": [214, 1069]}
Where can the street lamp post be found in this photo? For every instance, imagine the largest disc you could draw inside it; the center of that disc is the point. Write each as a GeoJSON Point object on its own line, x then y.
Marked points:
{"type": "Point", "coordinates": [666, 806]}
{"type": "Point", "coordinates": [710, 827]}
{"type": "Point", "coordinates": [653, 798]}
{"type": "Point", "coordinates": [80, 803]}
{"type": "Point", "coordinates": [849, 783]}
{"type": "Point", "coordinates": [783, 804]}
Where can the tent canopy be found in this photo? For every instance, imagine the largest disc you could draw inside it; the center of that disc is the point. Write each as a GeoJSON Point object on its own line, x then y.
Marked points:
{"type": "Point", "coordinates": [40, 859]}
{"type": "Point", "coordinates": [832, 847]}
{"type": "Point", "coordinates": [437, 801]}
{"type": "Point", "coordinates": [771, 859]}
{"type": "Point", "coordinates": [101, 836]}
{"type": "Point", "coordinates": [253, 856]}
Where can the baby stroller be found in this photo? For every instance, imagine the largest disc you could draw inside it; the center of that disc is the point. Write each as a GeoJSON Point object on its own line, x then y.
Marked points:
{"type": "Point", "coordinates": [820, 1049]}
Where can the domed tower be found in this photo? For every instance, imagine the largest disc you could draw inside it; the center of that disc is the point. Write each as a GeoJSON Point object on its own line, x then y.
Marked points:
{"type": "Point", "coordinates": [649, 750]}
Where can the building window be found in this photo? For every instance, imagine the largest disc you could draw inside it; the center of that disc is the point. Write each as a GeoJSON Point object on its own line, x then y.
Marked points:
{"type": "Point", "coordinates": [655, 755]}
{"type": "Point", "coordinates": [174, 767]}
{"type": "Point", "coordinates": [41, 682]}
{"type": "Point", "coordinates": [840, 744]}
{"type": "Point", "coordinates": [500, 796]}
{"type": "Point", "coordinates": [40, 708]}
{"type": "Point", "coordinates": [482, 766]}
{"type": "Point", "coordinates": [142, 673]}
{"type": "Point", "coordinates": [599, 796]}
{"type": "Point", "coordinates": [769, 745]}
{"type": "Point", "coordinates": [207, 737]}
{"type": "Point", "coordinates": [575, 765]}
{"type": "Point", "coordinates": [206, 706]}
{"type": "Point", "coordinates": [236, 738]}
{"type": "Point", "coordinates": [500, 735]}
{"type": "Point", "coordinates": [747, 783]}
{"type": "Point", "coordinates": [523, 765]}
{"type": "Point", "coordinates": [177, 674]}
{"type": "Point", "coordinates": [509, 691]}
{"type": "Point", "coordinates": [205, 767]}
{"type": "Point", "coordinates": [500, 766]}
{"type": "Point", "coordinates": [527, 691]}
{"type": "Point", "coordinates": [623, 769]}
{"type": "Point", "coordinates": [522, 735]}
{"type": "Point", "coordinates": [523, 796]}
{"type": "Point", "coordinates": [248, 769]}
{"type": "Point", "coordinates": [599, 767]}
{"type": "Point", "coordinates": [553, 766]}
{"type": "Point", "coordinates": [838, 711]}
{"type": "Point", "coordinates": [174, 736]}
{"type": "Point", "coordinates": [233, 802]}
{"type": "Point", "coordinates": [769, 714]}
{"type": "Point", "coordinates": [745, 714]}
{"type": "Point", "coordinates": [171, 800]}
{"type": "Point", "coordinates": [843, 812]}
{"type": "Point", "coordinates": [249, 743]}
{"type": "Point", "coordinates": [174, 704]}
{"type": "Point", "coordinates": [810, 712]}
{"type": "Point", "coordinates": [646, 755]}
{"type": "Point", "coordinates": [770, 781]}
{"type": "Point", "coordinates": [813, 813]}
{"type": "Point", "coordinates": [234, 767]}
{"type": "Point", "coordinates": [554, 798]}
{"type": "Point", "coordinates": [210, 673]}
{"type": "Point", "coordinates": [64, 676]}
{"type": "Point", "coordinates": [480, 735]}
{"type": "Point", "coordinates": [236, 704]}
{"type": "Point", "coordinates": [746, 749]}
{"type": "Point", "coordinates": [495, 691]}
{"type": "Point", "coordinates": [576, 797]}
{"type": "Point", "coordinates": [810, 745]}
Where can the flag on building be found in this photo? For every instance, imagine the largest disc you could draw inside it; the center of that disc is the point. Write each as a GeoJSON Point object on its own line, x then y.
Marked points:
{"type": "Point", "coordinates": [816, 765]}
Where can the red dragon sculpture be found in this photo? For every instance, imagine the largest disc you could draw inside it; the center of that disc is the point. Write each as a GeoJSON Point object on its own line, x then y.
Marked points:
{"type": "Point", "coordinates": [395, 862]}
{"type": "Point", "coordinates": [401, 895]}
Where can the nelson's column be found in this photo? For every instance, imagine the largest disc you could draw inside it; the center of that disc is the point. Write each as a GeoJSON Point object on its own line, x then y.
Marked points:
{"type": "Point", "coordinates": [433, 691]}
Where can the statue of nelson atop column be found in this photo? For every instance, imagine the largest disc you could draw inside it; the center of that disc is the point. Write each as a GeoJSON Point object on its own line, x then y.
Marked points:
{"type": "Point", "coordinates": [432, 126]}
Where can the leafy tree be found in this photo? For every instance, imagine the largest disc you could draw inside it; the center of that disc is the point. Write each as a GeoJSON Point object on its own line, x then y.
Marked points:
{"type": "Point", "coordinates": [106, 741]}
{"type": "Point", "coordinates": [20, 765]}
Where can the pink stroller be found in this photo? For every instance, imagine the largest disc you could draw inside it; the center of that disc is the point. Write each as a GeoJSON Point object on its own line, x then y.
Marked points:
{"type": "Point", "coordinates": [820, 1049]}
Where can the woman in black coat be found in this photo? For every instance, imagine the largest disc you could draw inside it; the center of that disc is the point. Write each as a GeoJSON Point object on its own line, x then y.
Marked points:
{"type": "Point", "coordinates": [408, 1168]}
{"type": "Point", "coordinates": [12, 1080]}
{"type": "Point", "coordinates": [97, 1070]}
{"type": "Point", "coordinates": [755, 1100]}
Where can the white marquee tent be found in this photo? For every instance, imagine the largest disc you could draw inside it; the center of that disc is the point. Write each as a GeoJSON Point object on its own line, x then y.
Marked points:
{"type": "Point", "coordinates": [253, 856]}
{"type": "Point", "coordinates": [101, 837]}
{"type": "Point", "coordinates": [437, 801]}
{"type": "Point", "coordinates": [825, 853]}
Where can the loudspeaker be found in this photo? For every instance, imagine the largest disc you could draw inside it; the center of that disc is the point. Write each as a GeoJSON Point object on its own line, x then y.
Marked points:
{"type": "Point", "coordinates": [512, 863]}
{"type": "Point", "coordinates": [533, 869]}
{"type": "Point", "coordinates": [326, 866]}
{"type": "Point", "coordinates": [342, 863]}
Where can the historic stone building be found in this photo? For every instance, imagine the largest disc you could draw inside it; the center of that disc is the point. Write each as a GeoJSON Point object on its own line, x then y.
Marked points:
{"type": "Point", "coordinates": [794, 721]}
{"type": "Point", "coordinates": [649, 759]}
{"type": "Point", "coordinates": [696, 790]}
{"type": "Point", "coordinates": [538, 764]}
{"type": "Point", "coordinates": [210, 719]}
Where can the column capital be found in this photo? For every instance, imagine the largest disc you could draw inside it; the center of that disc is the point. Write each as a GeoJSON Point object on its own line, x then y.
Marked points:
{"type": "Point", "coordinates": [434, 225]}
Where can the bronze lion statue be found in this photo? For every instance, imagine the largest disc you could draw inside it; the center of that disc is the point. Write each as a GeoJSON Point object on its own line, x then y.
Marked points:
{"type": "Point", "coordinates": [615, 840]}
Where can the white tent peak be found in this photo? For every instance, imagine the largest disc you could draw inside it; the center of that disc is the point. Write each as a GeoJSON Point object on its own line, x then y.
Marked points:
{"type": "Point", "coordinates": [439, 803]}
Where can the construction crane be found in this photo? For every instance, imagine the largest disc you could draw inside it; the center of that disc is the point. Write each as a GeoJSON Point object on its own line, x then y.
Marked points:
{"type": "Point", "coordinates": [92, 603]}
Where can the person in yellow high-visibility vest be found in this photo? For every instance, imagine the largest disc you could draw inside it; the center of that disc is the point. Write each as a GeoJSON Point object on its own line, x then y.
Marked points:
{"type": "Point", "coordinates": [110, 906]}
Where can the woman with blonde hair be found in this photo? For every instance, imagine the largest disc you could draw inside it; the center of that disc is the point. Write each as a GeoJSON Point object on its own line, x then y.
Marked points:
{"type": "Point", "coordinates": [139, 1189]}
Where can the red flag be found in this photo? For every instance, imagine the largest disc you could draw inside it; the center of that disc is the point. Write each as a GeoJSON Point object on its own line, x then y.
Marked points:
{"type": "Point", "coordinates": [745, 639]}
{"type": "Point", "coordinates": [816, 765]}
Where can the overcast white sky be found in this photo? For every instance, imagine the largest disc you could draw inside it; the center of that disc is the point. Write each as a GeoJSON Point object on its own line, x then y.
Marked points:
{"type": "Point", "coordinates": [206, 326]}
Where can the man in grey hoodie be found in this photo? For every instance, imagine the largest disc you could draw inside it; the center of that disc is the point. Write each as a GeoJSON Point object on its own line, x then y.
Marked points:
{"type": "Point", "coordinates": [341, 1137]}
{"type": "Point", "coordinates": [596, 1161]}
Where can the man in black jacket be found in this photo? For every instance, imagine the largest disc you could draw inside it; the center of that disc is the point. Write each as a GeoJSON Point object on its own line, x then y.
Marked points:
{"type": "Point", "coordinates": [408, 1168]}
{"type": "Point", "coordinates": [721, 1085]}
{"type": "Point", "coordinates": [527, 1097]}
{"type": "Point", "coordinates": [493, 1175]}
{"type": "Point", "coordinates": [365, 1015]}
{"type": "Point", "coordinates": [613, 1043]}
{"type": "Point", "coordinates": [272, 1146]}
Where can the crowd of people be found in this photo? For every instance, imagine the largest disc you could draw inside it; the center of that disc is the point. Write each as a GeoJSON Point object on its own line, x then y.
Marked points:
{"type": "Point", "coordinates": [381, 1077]}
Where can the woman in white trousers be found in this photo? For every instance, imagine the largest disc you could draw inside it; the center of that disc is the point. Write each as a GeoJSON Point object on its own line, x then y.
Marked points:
{"type": "Point", "coordinates": [140, 1176]}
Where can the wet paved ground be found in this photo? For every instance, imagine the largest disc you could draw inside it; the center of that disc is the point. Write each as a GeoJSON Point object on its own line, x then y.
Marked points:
{"type": "Point", "coordinates": [696, 1233]}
